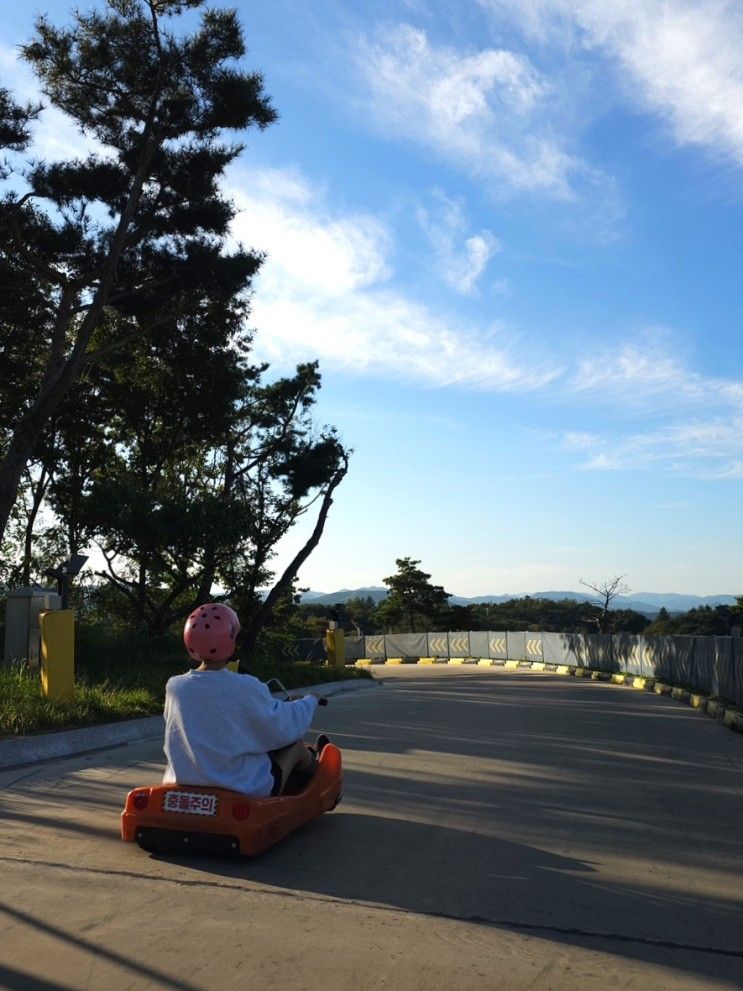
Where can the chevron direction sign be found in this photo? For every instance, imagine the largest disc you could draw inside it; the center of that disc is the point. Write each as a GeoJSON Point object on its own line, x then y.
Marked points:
{"type": "Point", "coordinates": [498, 645]}
{"type": "Point", "coordinates": [640, 654]}
{"type": "Point", "coordinates": [534, 647]}
{"type": "Point", "coordinates": [459, 645]}
{"type": "Point", "coordinates": [291, 651]}
{"type": "Point", "coordinates": [374, 647]}
{"type": "Point", "coordinates": [438, 646]}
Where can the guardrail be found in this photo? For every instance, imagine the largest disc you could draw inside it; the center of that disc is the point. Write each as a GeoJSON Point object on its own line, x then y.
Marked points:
{"type": "Point", "coordinates": [706, 672]}
{"type": "Point", "coordinates": [712, 665]}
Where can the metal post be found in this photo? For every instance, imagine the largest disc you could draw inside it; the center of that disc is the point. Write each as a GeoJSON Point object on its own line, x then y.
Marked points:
{"type": "Point", "coordinates": [57, 653]}
{"type": "Point", "coordinates": [335, 646]}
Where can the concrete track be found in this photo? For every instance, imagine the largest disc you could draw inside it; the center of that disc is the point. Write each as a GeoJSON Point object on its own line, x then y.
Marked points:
{"type": "Point", "coordinates": [505, 830]}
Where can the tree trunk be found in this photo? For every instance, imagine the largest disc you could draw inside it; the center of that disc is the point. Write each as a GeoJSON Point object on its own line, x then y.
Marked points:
{"type": "Point", "coordinates": [23, 444]}
{"type": "Point", "coordinates": [38, 498]}
{"type": "Point", "coordinates": [252, 629]}
{"type": "Point", "coordinates": [58, 380]}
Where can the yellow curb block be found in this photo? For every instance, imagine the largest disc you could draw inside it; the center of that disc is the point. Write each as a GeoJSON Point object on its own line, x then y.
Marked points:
{"type": "Point", "coordinates": [512, 664]}
{"type": "Point", "coordinates": [456, 660]}
{"type": "Point", "coordinates": [733, 719]}
{"type": "Point", "coordinates": [484, 662]}
{"type": "Point", "coordinates": [393, 660]}
{"type": "Point", "coordinates": [363, 662]}
{"type": "Point", "coordinates": [426, 660]}
{"type": "Point", "coordinates": [537, 665]}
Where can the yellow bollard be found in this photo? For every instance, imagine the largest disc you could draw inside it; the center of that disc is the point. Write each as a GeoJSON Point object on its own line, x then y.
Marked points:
{"type": "Point", "coordinates": [232, 665]}
{"type": "Point", "coordinates": [57, 653]}
{"type": "Point", "coordinates": [336, 647]}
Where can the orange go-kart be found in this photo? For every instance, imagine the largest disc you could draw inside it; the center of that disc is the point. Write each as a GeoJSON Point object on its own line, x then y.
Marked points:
{"type": "Point", "coordinates": [214, 820]}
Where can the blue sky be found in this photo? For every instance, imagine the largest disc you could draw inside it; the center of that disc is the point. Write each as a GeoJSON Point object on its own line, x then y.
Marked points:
{"type": "Point", "coordinates": [512, 233]}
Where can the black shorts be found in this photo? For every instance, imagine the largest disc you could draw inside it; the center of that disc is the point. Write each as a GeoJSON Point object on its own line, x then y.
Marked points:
{"type": "Point", "coordinates": [278, 777]}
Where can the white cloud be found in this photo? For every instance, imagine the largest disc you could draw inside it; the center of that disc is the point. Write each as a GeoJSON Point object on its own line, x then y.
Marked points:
{"type": "Point", "coordinates": [706, 449]}
{"type": "Point", "coordinates": [710, 438]}
{"type": "Point", "coordinates": [461, 260]}
{"type": "Point", "coordinates": [604, 462]}
{"type": "Point", "coordinates": [694, 422]}
{"type": "Point", "coordinates": [489, 112]}
{"type": "Point", "coordinates": [734, 471]}
{"type": "Point", "coordinates": [325, 291]}
{"type": "Point", "coordinates": [316, 252]}
{"type": "Point", "coordinates": [645, 372]}
{"type": "Point", "coordinates": [677, 58]}
{"type": "Point", "coordinates": [576, 439]}
{"type": "Point", "coordinates": [328, 290]}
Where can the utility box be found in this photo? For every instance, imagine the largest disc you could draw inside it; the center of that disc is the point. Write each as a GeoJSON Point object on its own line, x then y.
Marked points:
{"type": "Point", "coordinates": [22, 630]}
{"type": "Point", "coordinates": [335, 647]}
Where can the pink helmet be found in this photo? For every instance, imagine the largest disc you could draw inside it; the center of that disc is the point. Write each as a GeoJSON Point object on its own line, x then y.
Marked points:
{"type": "Point", "coordinates": [211, 631]}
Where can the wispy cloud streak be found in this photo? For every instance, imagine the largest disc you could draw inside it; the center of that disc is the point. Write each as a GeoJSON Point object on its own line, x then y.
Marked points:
{"type": "Point", "coordinates": [327, 290]}
{"type": "Point", "coordinates": [461, 259]}
{"type": "Point", "coordinates": [679, 59]}
{"type": "Point", "coordinates": [489, 112]}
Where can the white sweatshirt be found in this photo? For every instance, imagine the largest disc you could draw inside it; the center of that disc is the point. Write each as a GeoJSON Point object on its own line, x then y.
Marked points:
{"type": "Point", "coordinates": [219, 726]}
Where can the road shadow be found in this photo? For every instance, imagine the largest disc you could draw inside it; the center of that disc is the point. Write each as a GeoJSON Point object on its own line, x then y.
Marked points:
{"type": "Point", "coordinates": [458, 807]}
{"type": "Point", "coordinates": [144, 974]}
{"type": "Point", "coordinates": [470, 876]}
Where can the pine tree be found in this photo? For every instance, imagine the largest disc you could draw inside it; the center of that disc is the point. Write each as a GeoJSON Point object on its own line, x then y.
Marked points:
{"type": "Point", "coordinates": [413, 602]}
{"type": "Point", "coordinates": [107, 248]}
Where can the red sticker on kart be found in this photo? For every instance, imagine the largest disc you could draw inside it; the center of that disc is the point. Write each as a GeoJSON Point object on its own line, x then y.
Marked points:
{"type": "Point", "coordinates": [192, 802]}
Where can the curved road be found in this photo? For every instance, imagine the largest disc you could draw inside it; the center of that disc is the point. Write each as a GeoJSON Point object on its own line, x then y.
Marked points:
{"type": "Point", "coordinates": [500, 829]}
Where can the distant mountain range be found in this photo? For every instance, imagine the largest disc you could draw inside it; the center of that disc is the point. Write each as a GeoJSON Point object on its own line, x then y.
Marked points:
{"type": "Point", "coordinates": [648, 603]}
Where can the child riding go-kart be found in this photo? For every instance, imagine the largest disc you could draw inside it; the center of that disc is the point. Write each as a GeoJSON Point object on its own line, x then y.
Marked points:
{"type": "Point", "coordinates": [238, 777]}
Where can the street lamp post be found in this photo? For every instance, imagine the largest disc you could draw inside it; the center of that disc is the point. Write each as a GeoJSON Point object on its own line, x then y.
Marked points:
{"type": "Point", "coordinates": [65, 573]}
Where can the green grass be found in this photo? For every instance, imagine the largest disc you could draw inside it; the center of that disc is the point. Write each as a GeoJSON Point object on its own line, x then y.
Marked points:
{"type": "Point", "coordinates": [24, 710]}
{"type": "Point", "coordinates": [121, 676]}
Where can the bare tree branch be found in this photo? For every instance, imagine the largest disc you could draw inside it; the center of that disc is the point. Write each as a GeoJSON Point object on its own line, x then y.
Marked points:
{"type": "Point", "coordinates": [262, 614]}
{"type": "Point", "coordinates": [606, 591]}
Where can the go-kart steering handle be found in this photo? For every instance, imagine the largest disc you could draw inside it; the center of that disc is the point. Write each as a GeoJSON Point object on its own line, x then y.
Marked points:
{"type": "Point", "coordinates": [278, 687]}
